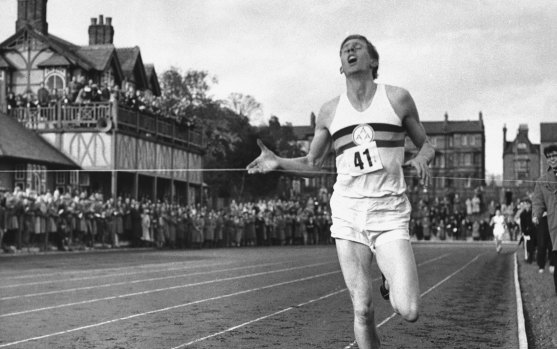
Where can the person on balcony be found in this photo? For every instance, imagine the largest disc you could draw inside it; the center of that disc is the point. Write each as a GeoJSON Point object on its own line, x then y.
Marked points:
{"type": "Point", "coordinates": [66, 98]}
{"type": "Point", "coordinates": [95, 93]}
{"type": "Point", "coordinates": [43, 96]}
{"type": "Point", "coordinates": [85, 94]}
{"type": "Point", "coordinates": [105, 93]}
{"type": "Point", "coordinates": [11, 101]}
{"type": "Point", "coordinates": [54, 97]}
{"type": "Point", "coordinates": [115, 94]}
{"type": "Point", "coordinates": [74, 87]}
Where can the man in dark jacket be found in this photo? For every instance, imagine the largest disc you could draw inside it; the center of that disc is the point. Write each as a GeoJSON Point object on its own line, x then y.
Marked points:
{"type": "Point", "coordinates": [545, 200]}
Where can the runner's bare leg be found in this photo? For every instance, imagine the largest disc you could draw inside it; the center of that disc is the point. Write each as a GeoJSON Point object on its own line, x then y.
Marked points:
{"type": "Point", "coordinates": [356, 261]}
{"type": "Point", "coordinates": [396, 261]}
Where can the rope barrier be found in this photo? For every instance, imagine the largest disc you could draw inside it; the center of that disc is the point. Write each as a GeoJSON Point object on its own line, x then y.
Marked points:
{"type": "Point", "coordinates": [471, 179]}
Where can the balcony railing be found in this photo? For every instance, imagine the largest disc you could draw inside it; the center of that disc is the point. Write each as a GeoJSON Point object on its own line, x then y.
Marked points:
{"type": "Point", "coordinates": [105, 116]}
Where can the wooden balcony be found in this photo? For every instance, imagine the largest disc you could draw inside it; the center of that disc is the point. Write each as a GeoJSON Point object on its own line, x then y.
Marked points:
{"type": "Point", "coordinates": [105, 117]}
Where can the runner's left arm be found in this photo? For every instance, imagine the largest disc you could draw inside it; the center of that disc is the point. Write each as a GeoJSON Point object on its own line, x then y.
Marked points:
{"type": "Point", "coordinates": [406, 109]}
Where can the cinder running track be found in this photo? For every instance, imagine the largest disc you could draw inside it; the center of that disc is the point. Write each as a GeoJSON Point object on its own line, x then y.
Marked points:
{"type": "Point", "coordinates": [276, 297]}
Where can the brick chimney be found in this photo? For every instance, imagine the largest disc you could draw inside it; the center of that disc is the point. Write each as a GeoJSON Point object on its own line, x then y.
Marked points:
{"type": "Point", "coordinates": [101, 33]}
{"type": "Point", "coordinates": [33, 13]}
{"type": "Point", "coordinates": [523, 129]}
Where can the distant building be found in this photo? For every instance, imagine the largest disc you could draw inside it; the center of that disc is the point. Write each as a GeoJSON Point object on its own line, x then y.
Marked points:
{"type": "Point", "coordinates": [459, 164]}
{"type": "Point", "coordinates": [123, 150]}
{"type": "Point", "coordinates": [548, 135]}
{"type": "Point", "coordinates": [520, 159]}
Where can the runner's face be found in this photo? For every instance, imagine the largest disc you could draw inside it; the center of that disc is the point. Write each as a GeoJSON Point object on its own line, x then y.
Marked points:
{"type": "Point", "coordinates": [355, 57]}
{"type": "Point", "coordinates": [552, 159]}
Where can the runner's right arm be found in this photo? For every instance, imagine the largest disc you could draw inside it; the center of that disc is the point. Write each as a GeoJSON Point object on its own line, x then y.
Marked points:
{"type": "Point", "coordinates": [306, 166]}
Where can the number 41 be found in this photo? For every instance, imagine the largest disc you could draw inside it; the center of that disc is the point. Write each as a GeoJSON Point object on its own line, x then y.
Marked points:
{"type": "Point", "coordinates": [358, 159]}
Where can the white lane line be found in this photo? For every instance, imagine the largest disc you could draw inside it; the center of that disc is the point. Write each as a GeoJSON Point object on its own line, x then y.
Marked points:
{"type": "Point", "coordinates": [450, 276]}
{"type": "Point", "coordinates": [389, 318]}
{"type": "Point", "coordinates": [104, 276]}
{"type": "Point", "coordinates": [167, 309]}
{"type": "Point", "coordinates": [259, 319]}
{"type": "Point", "coordinates": [96, 270]}
{"type": "Point", "coordinates": [160, 290]}
{"type": "Point", "coordinates": [522, 339]}
{"type": "Point", "coordinates": [133, 282]}
{"type": "Point", "coordinates": [286, 309]}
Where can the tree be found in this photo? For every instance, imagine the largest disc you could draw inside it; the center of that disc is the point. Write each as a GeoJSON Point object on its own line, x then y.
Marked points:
{"type": "Point", "coordinates": [182, 92]}
{"type": "Point", "coordinates": [231, 140]}
{"type": "Point", "coordinates": [245, 105]}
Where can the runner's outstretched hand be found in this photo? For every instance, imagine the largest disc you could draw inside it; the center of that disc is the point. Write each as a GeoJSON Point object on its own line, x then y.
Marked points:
{"type": "Point", "coordinates": [267, 161]}
{"type": "Point", "coordinates": [421, 166]}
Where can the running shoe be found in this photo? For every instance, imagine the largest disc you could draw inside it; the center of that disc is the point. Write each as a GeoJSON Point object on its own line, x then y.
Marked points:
{"type": "Point", "coordinates": [384, 291]}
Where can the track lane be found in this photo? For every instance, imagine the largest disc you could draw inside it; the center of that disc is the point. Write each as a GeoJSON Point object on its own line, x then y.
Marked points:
{"type": "Point", "coordinates": [318, 315]}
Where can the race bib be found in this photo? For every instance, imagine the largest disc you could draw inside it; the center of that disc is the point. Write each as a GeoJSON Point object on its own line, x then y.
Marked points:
{"type": "Point", "coordinates": [362, 159]}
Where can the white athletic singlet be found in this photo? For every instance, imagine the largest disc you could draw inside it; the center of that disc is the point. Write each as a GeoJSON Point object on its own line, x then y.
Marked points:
{"type": "Point", "coordinates": [498, 226]}
{"type": "Point", "coordinates": [369, 147]}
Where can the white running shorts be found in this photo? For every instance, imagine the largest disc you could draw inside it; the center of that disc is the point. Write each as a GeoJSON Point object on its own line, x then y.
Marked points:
{"type": "Point", "coordinates": [370, 221]}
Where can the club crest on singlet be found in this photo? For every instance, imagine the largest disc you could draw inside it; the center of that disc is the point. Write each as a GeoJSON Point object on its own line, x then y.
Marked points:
{"type": "Point", "coordinates": [363, 134]}
{"type": "Point", "coordinates": [364, 156]}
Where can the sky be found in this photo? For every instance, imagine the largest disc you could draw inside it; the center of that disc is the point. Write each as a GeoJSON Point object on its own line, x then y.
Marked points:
{"type": "Point", "coordinates": [458, 57]}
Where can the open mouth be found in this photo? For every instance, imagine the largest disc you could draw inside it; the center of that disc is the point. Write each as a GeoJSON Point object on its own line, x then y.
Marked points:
{"type": "Point", "coordinates": [352, 59]}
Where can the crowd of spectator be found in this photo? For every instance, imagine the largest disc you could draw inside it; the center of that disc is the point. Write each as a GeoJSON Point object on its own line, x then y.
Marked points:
{"type": "Point", "coordinates": [81, 220]}
{"type": "Point", "coordinates": [52, 220]}
{"type": "Point", "coordinates": [455, 218]}
{"type": "Point", "coordinates": [79, 91]}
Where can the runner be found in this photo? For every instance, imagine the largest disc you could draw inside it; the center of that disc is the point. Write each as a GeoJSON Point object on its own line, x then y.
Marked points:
{"type": "Point", "coordinates": [366, 127]}
{"type": "Point", "coordinates": [499, 228]}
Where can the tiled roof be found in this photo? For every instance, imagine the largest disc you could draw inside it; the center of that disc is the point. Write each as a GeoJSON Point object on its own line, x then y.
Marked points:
{"type": "Point", "coordinates": [127, 57]}
{"type": "Point", "coordinates": [548, 132]}
{"type": "Point", "coordinates": [92, 57]}
{"type": "Point", "coordinates": [16, 141]}
{"type": "Point", "coordinates": [64, 48]}
{"type": "Point", "coordinates": [98, 55]}
{"type": "Point", "coordinates": [55, 60]}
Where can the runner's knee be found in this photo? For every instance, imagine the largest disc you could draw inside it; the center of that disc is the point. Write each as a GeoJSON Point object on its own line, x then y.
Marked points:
{"type": "Point", "coordinates": [363, 312]}
{"type": "Point", "coordinates": [409, 312]}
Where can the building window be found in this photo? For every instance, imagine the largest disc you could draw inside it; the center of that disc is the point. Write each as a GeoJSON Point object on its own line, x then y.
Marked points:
{"type": "Point", "coordinates": [84, 180]}
{"type": "Point", "coordinates": [467, 159]}
{"type": "Point", "coordinates": [60, 178]}
{"type": "Point", "coordinates": [37, 178]}
{"type": "Point", "coordinates": [55, 82]}
{"type": "Point", "coordinates": [457, 141]}
{"type": "Point", "coordinates": [521, 169]}
{"type": "Point", "coordinates": [477, 159]}
{"type": "Point", "coordinates": [74, 178]}
{"type": "Point", "coordinates": [20, 173]}
{"type": "Point", "coordinates": [451, 142]}
{"type": "Point", "coordinates": [464, 140]}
